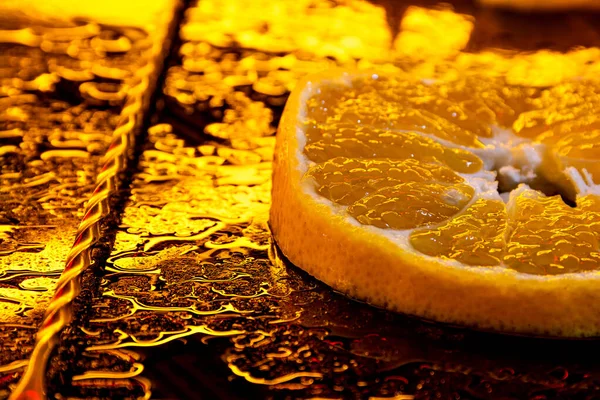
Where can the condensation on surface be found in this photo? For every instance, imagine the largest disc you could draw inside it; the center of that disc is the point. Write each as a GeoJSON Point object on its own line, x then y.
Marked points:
{"type": "Point", "coordinates": [61, 91]}
{"type": "Point", "coordinates": [191, 253]}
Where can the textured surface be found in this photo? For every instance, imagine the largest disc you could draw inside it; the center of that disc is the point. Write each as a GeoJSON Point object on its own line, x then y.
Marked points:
{"type": "Point", "coordinates": [336, 347]}
{"type": "Point", "coordinates": [61, 92]}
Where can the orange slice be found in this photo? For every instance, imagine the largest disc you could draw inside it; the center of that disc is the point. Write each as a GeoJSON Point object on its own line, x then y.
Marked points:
{"type": "Point", "coordinates": [386, 188]}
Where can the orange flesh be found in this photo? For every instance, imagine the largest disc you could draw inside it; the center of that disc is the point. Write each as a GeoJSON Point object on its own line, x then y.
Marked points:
{"type": "Point", "coordinates": [549, 237]}
{"type": "Point", "coordinates": [476, 237]}
{"type": "Point", "coordinates": [387, 150]}
{"type": "Point", "coordinates": [581, 150]}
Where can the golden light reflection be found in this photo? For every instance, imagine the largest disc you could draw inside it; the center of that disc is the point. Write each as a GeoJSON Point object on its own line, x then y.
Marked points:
{"type": "Point", "coordinates": [64, 86]}
{"type": "Point", "coordinates": [204, 208]}
{"type": "Point", "coordinates": [138, 13]}
{"type": "Point", "coordinates": [428, 35]}
{"type": "Point", "coordinates": [316, 27]}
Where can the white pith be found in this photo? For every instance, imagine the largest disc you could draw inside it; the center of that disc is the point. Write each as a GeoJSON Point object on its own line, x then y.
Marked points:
{"type": "Point", "coordinates": [513, 158]}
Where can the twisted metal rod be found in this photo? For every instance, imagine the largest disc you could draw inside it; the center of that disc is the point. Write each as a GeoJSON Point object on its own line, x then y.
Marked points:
{"type": "Point", "coordinates": [59, 313]}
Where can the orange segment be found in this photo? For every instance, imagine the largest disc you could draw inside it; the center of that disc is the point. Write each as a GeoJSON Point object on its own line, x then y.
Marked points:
{"type": "Point", "coordinates": [555, 119]}
{"type": "Point", "coordinates": [403, 104]}
{"type": "Point", "coordinates": [346, 180]}
{"type": "Point", "coordinates": [560, 109]}
{"type": "Point", "coordinates": [411, 204]}
{"type": "Point", "coordinates": [348, 140]}
{"type": "Point", "coordinates": [590, 204]}
{"type": "Point", "coordinates": [578, 125]}
{"type": "Point", "coordinates": [582, 151]}
{"type": "Point", "coordinates": [549, 237]}
{"type": "Point", "coordinates": [507, 102]}
{"type": "Point", "coordinates": [475, 237]}
{"type": "Point", "coordinates": [397, 194]}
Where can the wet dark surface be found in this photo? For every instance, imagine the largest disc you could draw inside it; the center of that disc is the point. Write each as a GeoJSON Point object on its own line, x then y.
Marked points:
{"type": "Point", "coordinates": [194, 300]}
{"type": "Point", "coordinates": [61, 92]}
